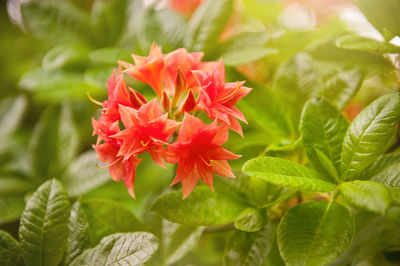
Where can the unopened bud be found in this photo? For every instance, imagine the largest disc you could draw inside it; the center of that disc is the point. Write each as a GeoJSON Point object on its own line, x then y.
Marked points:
{"type": "Point", "coordinates": [180, 87]}
{"type": "Point", "coordinates": [165, 101]}
{"type": "Point", "coordinates": [136, 98]}
{"type": "Point", "coordinates": [189, 103]}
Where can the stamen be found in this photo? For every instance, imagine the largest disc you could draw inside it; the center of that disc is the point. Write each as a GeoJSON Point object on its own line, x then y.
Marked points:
{"type": "Point", "coordinates": [145, 144]}
{"type": "Point", "coordinates": [204, 161]}
{"type": "Point", "coordinates": [93, 100]}
{"type": "Point", "coordinates": [230, 94]}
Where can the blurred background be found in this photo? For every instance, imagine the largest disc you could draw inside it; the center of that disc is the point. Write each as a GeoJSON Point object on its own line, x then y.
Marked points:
{"type": "Point", "coordinates": [54, 52]}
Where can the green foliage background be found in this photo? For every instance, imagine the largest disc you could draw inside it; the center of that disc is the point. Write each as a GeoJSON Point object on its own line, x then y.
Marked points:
{"type": "Point", "coordinates": [316, 185]}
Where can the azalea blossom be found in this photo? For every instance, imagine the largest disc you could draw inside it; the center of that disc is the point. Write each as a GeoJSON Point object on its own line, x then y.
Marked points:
{"type": "Point", "coordinates": [166, 127]}
{"type": "Point", "coordinates": [199, 154]}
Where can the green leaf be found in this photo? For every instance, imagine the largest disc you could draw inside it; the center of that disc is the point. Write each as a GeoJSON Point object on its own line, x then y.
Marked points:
{"type": "Point", "coordinates": [369, 134]}
{"type": "Point", "coordinates": [43, 231]}
{"type": "Point", "coordinates": [286, 173]}
{"type": "Point", "coordinates": [66, 56]}
{"type": "Point", "coordinates": [355, 42]}
{"type": "Point", "coordinates": [9, 250]}
{"type": "Point", "coordinates": [310, 234]}
{"type": "Point", "coordinates": [108, 217]}
{"type": "Point", "coordinates": [206, 24]}
{"type": "Point", "coordinates": [297, 79]}
{"type": "Point", "coordinates": [323, 129]}
{"type": "Point", "coordinates": [78, 238]}
{"type": "Point", "coordinates": [246, 55]}
{"type": "Point", "coordinates": [379, 164]}
{"type": "Point", "coordinates": [108, 20]}
{"type": "Point", "coordinates": [368, 195]}
{"type": "Point", "coordinates": [109, 55]}
{"type": "Point", "coordinates": [342, 87]}
{"type": "Point", "coordinates": [174, 27]}
{"type": "Point", "coordinates": [178, 240]}
{"type": "Point", "coordinates": [249, 248]}
{"type": "Point", "coordinates": [249, 220]}
{"type": "Point", "coordinates": [202, 207]}
{"type": "Point", "coordinates": [82, 175]}
{"type": "Point", "coordinates": [12, 185]}
{"type": "Point", "coordinates": [389, 176]}
{"type": "Point", "coordinates": [384, 16]}
{"type": "Point", "coordinates": [56, 21]}
{"type": "Point", "coordinates": [120, 249]}
{"type": "Point", "coordinates": [11, 207]}
{"type": "Point", "coordinates": [11, 113]}
{"type": "Point", "coordinates": [55, 139]}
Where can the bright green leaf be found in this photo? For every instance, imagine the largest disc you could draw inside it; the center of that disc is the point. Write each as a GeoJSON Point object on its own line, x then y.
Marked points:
{"type": "Point", "coordinates": [287, 173]}
{"type": "Point", "coordinates": [248, 249]}
{"type": "Point", "coordinates": [56, 21]}
{"type": "Point", "coordinates": [14, 185]}
{"type": "Point", "coordinates": [10, 250]}
{"type": "Point", "coordinates": [120, 249]}
{"type": "Point", "coordinates": [389, 176]}
{"type": "Point", "coordinates": [202, 207]}
{"type": "Point", "coordinates": [367, 195]}
{"type": "Point", "coordinates": [383, 15]}
{"type": "Point", "coordinates": [206, 23]}
{"type": "Point", "coordinates": [78, 238]}
{"type": "Point", "coordinates": [369, 134]}
{"type": "Point", "coordinates": [354, 42]}
{"type": "Point", "coordinates": [249, 220]}
{"type": "Point", "coordinates": [11, 113]}
{"type": "Point", "coordinates": [311, 234]}
{"type": "Point", "coordinates": [173, 25]}
{"type": "Point", "coordinates": [82, 175]}
{"type": "Point", "coordinates": [379, 164]}
{"type": "Point", "coordinates": [43, 231]}
{"type": "Point", "coordinates": [297, 79]}
{"type": "Point", "coordinates": [323, 129]}
{"type": "Point", "coordinates": [246, 55]}
{"type": "Point", "coordinates": [342, 87]}
{"type": "Point", "coordinates": [178, 240]}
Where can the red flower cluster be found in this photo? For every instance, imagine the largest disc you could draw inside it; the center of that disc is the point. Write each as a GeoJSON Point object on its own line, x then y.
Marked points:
{"type": "Point", "coordinates": [131, 125]}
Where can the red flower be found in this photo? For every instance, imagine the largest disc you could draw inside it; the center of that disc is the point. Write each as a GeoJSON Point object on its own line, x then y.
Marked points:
{"type": "Point", "coordinates": [119, 167]}
{"type": "Point", "coordinates": [146, 129]}
{"type": "Point", "coordinates": [199, 154]}
{"type": "Point", "coordinates": [218, 98]}
{"type": "Point", "coordinates": [185, 7]}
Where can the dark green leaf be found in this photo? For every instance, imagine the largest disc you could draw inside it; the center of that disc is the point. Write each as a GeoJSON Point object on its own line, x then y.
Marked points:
{"type": "Point", "coordinates": [43, 231]}
{"type": "Point", "coordinates": [383, 15]}
{"type": "Point", "coordinates": [10, 250]}
{"type": "Point", "coordinates": [207, 22]}
{"type": "Point", "coordinates": [310, 234]}
{"type": "Point", "coordinates": [355, 42]}
{"type": "Point", "coordinates": [323, 128]}
{"type": "Point", "coordinates": [11, 207]}
{"type": "Point", "coordinates": [178, 240]}
{"type": "Point", "coordinates": [109, 55]}
{"type": "Point", "coordinates": [107, 217]}
{"type": "Point", "coordinates": [121, 249]}
{"type": "Point", "coordinates": [202, 207]}
{"type": "Point", "coordinates": [249, 220]}
{"type": "Point", "coordinates": [14, 185]}
{"type": "Point", "coordinates": [246, 55]}
{"type": "Point", "coordinates": [368, 195]}
{"type": "Point", "coordinates": [78, 238]}
{"type": "Point", "coordinates": [286, 173]}
{"type": "Point", "coordinates": [249, 248]}
{"type": "Point", "coordinates": [108, 20]}
{"type": "Point", "coordinates": [369, 134]}
{"type": "Point", "coordinates": [67, 56]}
{"type": "Point", "coordinates": [82, 175]}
